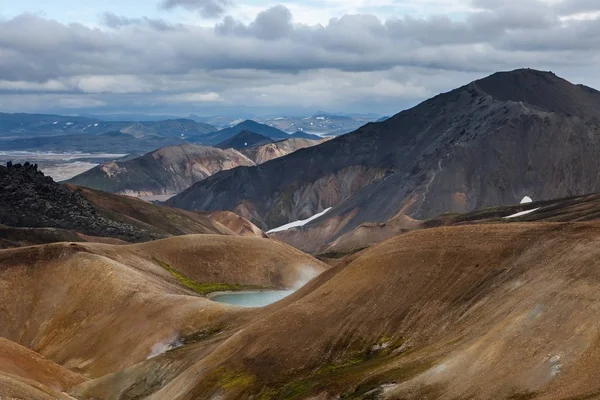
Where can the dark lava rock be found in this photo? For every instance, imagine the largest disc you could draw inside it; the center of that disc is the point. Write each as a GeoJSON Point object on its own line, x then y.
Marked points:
{"type": "Point", "coordinates": [30, 199]}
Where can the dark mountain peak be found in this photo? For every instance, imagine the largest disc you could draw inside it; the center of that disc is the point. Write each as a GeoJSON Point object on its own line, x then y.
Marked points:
{"type": "Point", "coordinates": [543, 90]}
{"type": "Point", "coordinates": [117, 134]}
{"type": "Point", "coordinates": [243, 140]}
{"type": "Point", "coordinates": [249, 122]}
{"type": "Point", "coordinates": [304, 135]}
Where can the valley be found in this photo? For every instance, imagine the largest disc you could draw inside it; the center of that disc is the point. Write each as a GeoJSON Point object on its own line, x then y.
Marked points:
{"type": "Point", "coordinates": [447, 252]}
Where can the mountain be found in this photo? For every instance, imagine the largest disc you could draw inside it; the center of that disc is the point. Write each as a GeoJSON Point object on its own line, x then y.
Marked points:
{"type": "Point", "coordinates": [255, 127]}
{"type": "Point", "coordinates": [171, 170]}
{"type": "Point", "coordinates": [248, 125]}
{"type": "Point", "coordinates": [31, 200]}
{"type": "Point", "coordinates": [270, 151]}
{"type": "Point", "coordinates": [488, 143]}
{"type": "Point", "coordinates": [35, 125]}
{"type": "Point", "coordinates": [243, 140]}
{"type": "Point", "coordinates": [168, 170]}
{"type": "Point", "coordinates": [304, 135]}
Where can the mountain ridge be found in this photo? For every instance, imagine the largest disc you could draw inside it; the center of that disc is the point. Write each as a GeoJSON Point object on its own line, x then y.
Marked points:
{"type": "Point", "coordinates": [431, 148]}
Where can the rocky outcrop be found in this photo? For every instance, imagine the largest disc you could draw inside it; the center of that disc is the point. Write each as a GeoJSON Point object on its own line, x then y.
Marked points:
{"type": "Point", "coordinates": [30, 199]}
{"type": "Point", "coordinates": [57, 212]}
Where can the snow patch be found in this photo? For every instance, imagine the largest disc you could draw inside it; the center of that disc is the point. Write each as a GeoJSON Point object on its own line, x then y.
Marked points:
{"type": "Point", "coordinates": [526, 200]}
{"type": "Point", "coordinates": [298, 223]}
{"type": "Point", "coordinates": [95, 124]}
{"type": "Point", "coordinates": [520, 214]}
{"type": "Point", "coordinates": [54, 123]}
{"type": "Point", "coordinates": [69, 124]}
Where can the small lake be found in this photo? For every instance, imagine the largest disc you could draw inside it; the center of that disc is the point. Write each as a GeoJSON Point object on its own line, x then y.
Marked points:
{"type": "Point", "coordinates": [252, 299]}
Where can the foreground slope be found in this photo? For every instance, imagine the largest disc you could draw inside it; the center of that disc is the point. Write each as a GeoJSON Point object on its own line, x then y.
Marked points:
{"type": "Point", "coordinates": [80, 305]}
{"type": "Point", "coordinates": [487, 311]}
{"type": "Point", "coordinates": [487, 143]}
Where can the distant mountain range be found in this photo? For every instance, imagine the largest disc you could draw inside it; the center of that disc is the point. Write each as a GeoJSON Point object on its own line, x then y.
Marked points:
{"type": "Point", "coordinates": [320, 123]}
{"type": "Point", "coordinates": [488, 143]}
{"type": "Point", "coordinates": [34, 132]}
{"type": "Point", "coordinates": [35, 125]}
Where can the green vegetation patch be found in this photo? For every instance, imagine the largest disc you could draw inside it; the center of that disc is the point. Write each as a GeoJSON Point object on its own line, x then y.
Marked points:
{"type": "Point", "coordinates": [227, 379]}
{"type": "Point", "coordinates": [204, 288]}
{"type": "Point", "coordinates": [343, 374]}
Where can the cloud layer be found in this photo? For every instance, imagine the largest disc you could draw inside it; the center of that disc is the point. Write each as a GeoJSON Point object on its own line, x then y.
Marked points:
{"type": "Point", "coordinates": [353, 63]}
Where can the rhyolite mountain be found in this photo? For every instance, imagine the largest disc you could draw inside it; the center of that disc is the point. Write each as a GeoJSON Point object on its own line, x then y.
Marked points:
{"type": "Point", "coordinates": [244, 140]}
{"type": "Point", "coordinates": [170, 170]}
{"type": "Point", "coordinates": [270, 151]}
{"type": "Point", "coordinates": [490, 142]}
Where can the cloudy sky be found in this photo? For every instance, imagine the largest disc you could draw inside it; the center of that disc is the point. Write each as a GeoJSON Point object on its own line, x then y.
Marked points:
{"type": "Point", "coordinates": [258, 57]}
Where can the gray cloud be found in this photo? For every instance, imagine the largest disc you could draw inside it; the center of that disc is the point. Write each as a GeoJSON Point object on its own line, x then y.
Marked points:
{"type": "Point", "coordinates": [352, 61]}
{"type": "Point", "coordinates": [271, 24]}
{"type": "Point", "coordinates": [207, 8]}
{"type": "Point", "coordinates": [570, 7]}
{"type": "Point", "coordinates": [114, 21]}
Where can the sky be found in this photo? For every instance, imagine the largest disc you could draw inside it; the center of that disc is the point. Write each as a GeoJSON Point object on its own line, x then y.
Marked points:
{"type": "Point", "coordinates": [254, 57]}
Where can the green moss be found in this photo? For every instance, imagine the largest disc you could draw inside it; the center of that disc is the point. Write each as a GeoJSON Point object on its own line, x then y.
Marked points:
{"type": "Point", "coordinates": [400, 374]}
{"type": "Point", "coordinates": [204, 288]}
{"type": "Point", "coordinates": [233, 379]}
{"type": "Point", "coordinates": [295, 389]}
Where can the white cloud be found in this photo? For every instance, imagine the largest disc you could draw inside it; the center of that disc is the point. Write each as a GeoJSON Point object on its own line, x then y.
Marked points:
{"type": "Point", "coordinates": [209, 97]}
{"type": "Point", "coordinates": [52, 85]}
{"type": "Point", "coordinates": [111, 84]}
